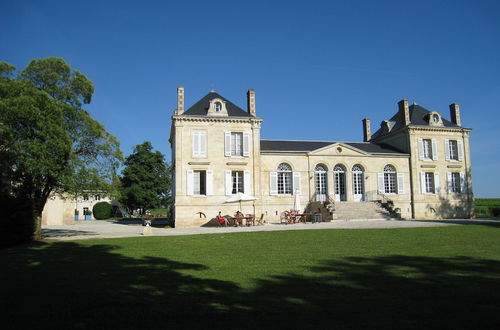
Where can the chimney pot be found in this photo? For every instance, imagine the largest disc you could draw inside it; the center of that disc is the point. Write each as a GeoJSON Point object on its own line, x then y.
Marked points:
{"type": "Point", "coordinates": [404, 111]}
{"type": "Point", "coordinates": [455, 114]}
{"type": "Point", "coordinates": [180, 100]}
{"type": "Point", "coordinates": [251, 101]}
{"type": "Point", "coordinates": [367, 135]}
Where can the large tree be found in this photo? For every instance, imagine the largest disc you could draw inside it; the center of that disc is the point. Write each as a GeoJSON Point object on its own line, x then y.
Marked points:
{"type": "Point", "coordinates": [48, 142]}
{"type": "Point", "coordinates": [145, 179]}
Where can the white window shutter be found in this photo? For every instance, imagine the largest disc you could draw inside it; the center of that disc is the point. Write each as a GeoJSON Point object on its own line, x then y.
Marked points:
{"type": "Point", "coordinates": [246, 182]}
{"type": "Point", "coordinates": [380, 180]}
{"type": "Point", "coordinates": [203, 144]}
{"type": "Point", "coordinates": [462, 182]}
{"type": "Point", "coordinates": [434, 150]}
{"type": "Point", "coordinates": [190, 182]}
{"type": "Point", "coordinates": [273, 183]}
{"type": "Point", "coordinates": [196, 144]}
{"type": "Point", "coordinates": [227, 144]}
{"type": "Point", "coordinates": [296, 183]}
{"type": "Point", "coordinates": [460, 147]}
{"type": "Point", "coordinates": [209, 183]}
{"type": "Point", "coordinates": [437, 187]}
{"type": "Point", "coordinates": [422, 183]}
{"type": "Point", "coordinates": [228, 182]}
{"type": "Point", "coordinates": [421, 149]}
{"type": "Point", "coordinates": [246, 138]}
{"type": "Point", "coordinates": [401, 183]}
{"type": "Point", "coordinates": [447, 149]}
{"type": "Point", "coordinates": [450, 182]}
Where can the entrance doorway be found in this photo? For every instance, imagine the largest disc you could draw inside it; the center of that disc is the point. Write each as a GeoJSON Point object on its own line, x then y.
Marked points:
{"type": "Point", "coordinates": [321, 183]}
{"type": "Point", "coordinates": [339, 174]}
{"type": "Point", "coordinates": [358, 183]}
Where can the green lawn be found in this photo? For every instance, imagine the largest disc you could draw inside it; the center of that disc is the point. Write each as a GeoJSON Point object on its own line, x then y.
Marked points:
{"type": "Point", "coordinates": [445, 277]}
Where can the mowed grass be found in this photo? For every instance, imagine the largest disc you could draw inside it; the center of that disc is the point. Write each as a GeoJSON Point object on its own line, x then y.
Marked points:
{"type": "Point", "coordinates": [444, 277]}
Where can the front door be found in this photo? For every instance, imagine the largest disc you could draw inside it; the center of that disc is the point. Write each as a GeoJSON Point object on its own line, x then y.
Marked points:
{"type": "Point", "coordinates": [320, 180]}
{"type": "Point", "coordinates": [358, 186]}
{"type": "Point", "coordinates": [339, 174]}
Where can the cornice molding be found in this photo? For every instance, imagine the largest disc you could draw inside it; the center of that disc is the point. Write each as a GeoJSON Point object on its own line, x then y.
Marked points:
{"type": "Point", "coordinates": [180, 119]}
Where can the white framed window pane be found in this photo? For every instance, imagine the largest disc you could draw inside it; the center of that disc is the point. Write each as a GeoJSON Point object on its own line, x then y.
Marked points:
{"type": "Point", "coordinates": [238, 182]}
{"type": "Point", "coordinates": [453, 150]}
{"type": "Point", "coordinates": [455, 183]}
{"type": "Point", "coordinates": [390, 183]}
{"type": "Point", "coordinates": [237, 144]}
{"type": "Point", "coordinates": [429, 183]}
{"type": "Point", "coordinates": [199, 182]}
{"type": "Point", "coordinates": [427, 145]}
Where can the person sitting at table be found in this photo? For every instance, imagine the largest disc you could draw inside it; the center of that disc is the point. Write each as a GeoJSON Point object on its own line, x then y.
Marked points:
{"type": "Point", "coordinates": [221, 220]}
{"type": "Point", "coordinates": [238, 219]}
{"type": "Point", "coordinates": [293, 215]}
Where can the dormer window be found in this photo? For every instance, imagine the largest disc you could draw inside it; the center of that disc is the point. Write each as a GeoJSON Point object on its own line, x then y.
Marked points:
{"type": "Point", "coordinates": [435, 118]}
{"type": "Point", "coordinates": [218, 106]}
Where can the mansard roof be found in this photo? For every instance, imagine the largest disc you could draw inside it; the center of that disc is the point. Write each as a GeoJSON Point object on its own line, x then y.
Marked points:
{"type": "Point", "coordinates": [308, 146]}
{"type": "Point", "coordinates": [418, 117]}
{"type": "Point", "coordinates": [200, 108]}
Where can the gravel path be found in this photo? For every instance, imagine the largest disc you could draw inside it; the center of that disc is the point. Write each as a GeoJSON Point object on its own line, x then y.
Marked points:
{"type": "Point", "coordinates": [105, 229]}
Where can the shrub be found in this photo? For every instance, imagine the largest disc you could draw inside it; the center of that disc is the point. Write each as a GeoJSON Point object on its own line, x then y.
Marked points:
{"type": "Point", "coordinates": [495, 211]}
{"type": "Point", "coordinates": [102, 211]}
{"type": "Point", "coordinates": [18, 222]}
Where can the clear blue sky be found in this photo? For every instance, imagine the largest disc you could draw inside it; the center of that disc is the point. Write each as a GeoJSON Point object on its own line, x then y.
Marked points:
{"type": "Point", "coordinates": [318, 67]}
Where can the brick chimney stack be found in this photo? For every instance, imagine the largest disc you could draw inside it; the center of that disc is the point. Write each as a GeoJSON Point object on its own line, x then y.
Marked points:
{"type": "Point", "coordinates": [180, 100]}
{"type": "Point", "coordinates": [404, 111]}
{"type": "Point", "coordinates": [251, 102]}
{"type": "Point", "coordinates": [455, 114]}
{"type": "Point", "coordinates": [367, 135]}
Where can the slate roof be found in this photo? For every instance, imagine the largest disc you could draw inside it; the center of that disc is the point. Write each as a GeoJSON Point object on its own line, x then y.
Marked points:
{"type": "Point", "coordinates": [200, 108]}
{"type": "Point", "coordinates": [418, 116]}
{"type": "Point", "coordinates": [308, 146]}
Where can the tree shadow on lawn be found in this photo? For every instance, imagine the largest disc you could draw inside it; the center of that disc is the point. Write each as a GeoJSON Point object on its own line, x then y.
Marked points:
{"type": "Point", "coordinates": [67, 285]}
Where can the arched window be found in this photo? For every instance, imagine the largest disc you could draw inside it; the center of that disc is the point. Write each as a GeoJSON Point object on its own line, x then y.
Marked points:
{"type": "Point", "coordinates": [390, 180]}
{"type": "Point", "coordinates": [284, 179]}
{"type": "Point", "coordinates": [357, 182]}
{"type": "Point", "coordinates": [320, 181]}
{"type": "Point", "coordinates": [339, 184]}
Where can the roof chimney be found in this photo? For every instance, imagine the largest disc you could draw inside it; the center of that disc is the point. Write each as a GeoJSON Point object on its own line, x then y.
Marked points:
{"type": "Point", "coordinates": [180, 100]}
{"type": "Point", "coordinates": [251, 102]}
{"type": "Point", "coordinates": [404, 111]}
{"type": "Point", "coordinates": [455, 114]}
{"type": "Point", "coordinates": [367, 135]}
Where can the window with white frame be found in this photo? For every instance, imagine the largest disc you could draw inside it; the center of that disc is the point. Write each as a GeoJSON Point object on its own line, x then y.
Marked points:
{"type": "Point", "coordinates": [218, 106]}
{"type": "Point", "coordinates": [427, 146]}
{"type": "Point", "coordinates": [454, 150]}
{"type": "Point", "coordinates": [199, 144]}
{"type": "Point", "coordinates": [389, 179]}
{"type": "Point", "coordinates": [238, 182]}
{"type": "Point", "coordinates": [284, 179]}
{"type": "Point", "coordinates": [199, 183]}
{"type": "Point", "coordinates": [236, 144]}
{"type": "Point", "coordinates": [456, 182]}
{"type": "Point", "coordinates": [429, 182]}
{"type": "Point", "coordinates": [320, 181]}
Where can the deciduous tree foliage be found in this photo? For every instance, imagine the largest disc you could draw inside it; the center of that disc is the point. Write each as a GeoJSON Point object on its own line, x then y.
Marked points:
{"type": "Point", "coordinates": [145, 179]}
{"type": "Point", "coordinates": [48, 143]}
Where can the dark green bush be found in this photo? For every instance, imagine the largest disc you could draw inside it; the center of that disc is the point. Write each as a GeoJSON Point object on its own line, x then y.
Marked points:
{"type": "Point", "coordinates": [102, 211]}
{"type": "Point", "coordinates": [18, 221]}
{"type": "Point", "coordinates": [495, 211]}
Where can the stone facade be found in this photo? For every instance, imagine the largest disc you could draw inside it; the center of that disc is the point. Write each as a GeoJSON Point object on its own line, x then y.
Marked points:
{"type": "Point", "coordinates": [417, 159]}
{"type": "Point", "coordinates": [60, 209]}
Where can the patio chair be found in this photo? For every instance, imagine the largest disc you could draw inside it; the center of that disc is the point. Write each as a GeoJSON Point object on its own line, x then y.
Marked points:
{"type": "Point", "coordinates": [260, 221]}
{"type": "Point", "coordinates": [284, 217]}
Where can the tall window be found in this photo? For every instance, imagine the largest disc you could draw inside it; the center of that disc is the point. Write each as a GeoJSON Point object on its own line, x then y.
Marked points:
{"type": "Point", "coordinates": [199, 143]}
{"type": "Point", "coordinates": [429, 183]}
{"type": "Point", "coordinates": [236, 144]}
{"type": "Point", "coordinates": [453, 149]}
{"type": "Point", "coordinates": [218, 106]}
{"type": "Point", "coordinates": [455, 183]}
{"type": "Point", "coordinates": [199, 183]}
{"type": "Point", "coordinates": [284, 179]}
{"type": "Point", "coordinates": [390, 179]}
{"type": "Point", "coordinates": [238, 181]}
{"type": "Point", "coordinates": [357, 180]}
{"type": "Point", "coordinates": [427, 146]}
{"type": "Point", "coordinates": [339, 173]}
{"type": "Point", "coordinates": [320, 180]}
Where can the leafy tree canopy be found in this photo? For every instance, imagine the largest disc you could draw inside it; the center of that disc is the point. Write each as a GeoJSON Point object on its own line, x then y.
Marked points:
{"type": "Point", "coordinates": [145, 181]}
{"type": "Point", "coordinates": [47, 141]}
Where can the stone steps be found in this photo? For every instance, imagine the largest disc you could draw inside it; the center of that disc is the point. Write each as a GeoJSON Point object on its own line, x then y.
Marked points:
{"type": "Point", "coordinates": [360, 211]}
